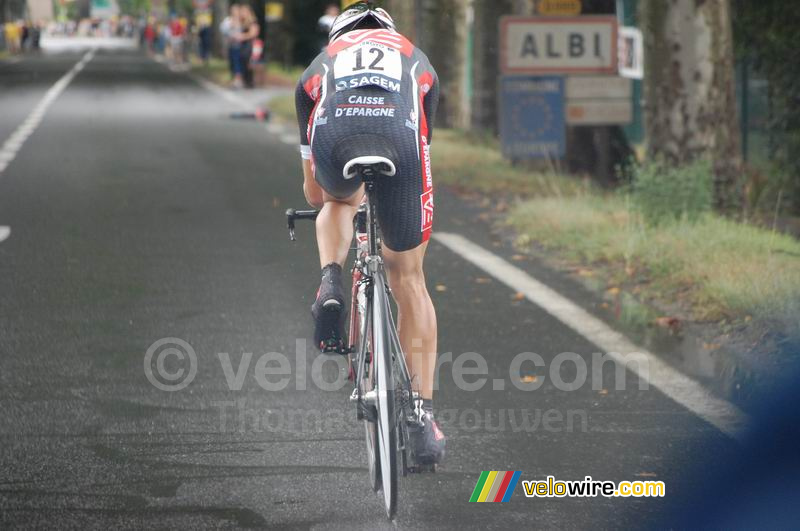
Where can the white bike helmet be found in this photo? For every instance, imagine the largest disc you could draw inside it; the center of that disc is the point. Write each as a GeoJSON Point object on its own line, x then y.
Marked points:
{"type": "Point", "coordinates": [362, 15]}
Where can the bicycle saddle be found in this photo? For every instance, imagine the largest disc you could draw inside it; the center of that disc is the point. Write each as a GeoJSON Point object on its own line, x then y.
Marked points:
{"type": "Point", "coordinates": [369, 165]}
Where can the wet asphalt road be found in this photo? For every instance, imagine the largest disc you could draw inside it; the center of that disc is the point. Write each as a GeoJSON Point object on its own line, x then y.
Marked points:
{"type": "Point", "coordinates": [139, 211]}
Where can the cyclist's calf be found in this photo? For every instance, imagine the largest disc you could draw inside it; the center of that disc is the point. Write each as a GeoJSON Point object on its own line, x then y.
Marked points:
{"type": "Point", "coordinates": [416, 317]}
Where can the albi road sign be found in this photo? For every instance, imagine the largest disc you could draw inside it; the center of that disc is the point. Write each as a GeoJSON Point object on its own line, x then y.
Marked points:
{"type": "Point", "coordinates": [559, 45]}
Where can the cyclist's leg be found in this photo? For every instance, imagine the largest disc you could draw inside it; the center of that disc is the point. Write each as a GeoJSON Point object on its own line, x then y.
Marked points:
{"type": "Point", "coordinates": [335, 227]}
{"type": "Point", "coordinates": [416, 317]}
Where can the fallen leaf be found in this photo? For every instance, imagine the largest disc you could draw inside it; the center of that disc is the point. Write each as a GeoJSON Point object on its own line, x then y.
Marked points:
{"type": "Point", "coordinates": [605, 306]}
{"type": "Point", "coordinates": [613, 292]}
{"type": "Point", "coordinates": [585, 273]}
{"type": "Point", "coordinates": [483, 280]}
{"type": "Point", "coordinates": [441, 288]}
{"type": "Point", "coordinates": [519, 296]}
{"type": "Point", "coordinates": [519, 257]}
{"type": "Point", "coordinates": [672, 323]}
{"type": "Point", "coordinates": [528, 379]}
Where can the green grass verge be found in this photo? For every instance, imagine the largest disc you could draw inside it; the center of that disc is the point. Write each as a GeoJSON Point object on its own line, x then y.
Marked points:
{"type": "Point", "coordinates": [282, 109]}
{"type": "Point", "coordinates": [289, 76]}
{"type": "Point", "coordinates": [475, 163]}
{"type": "Point", "coordinates": [215, 70]}
{"type": "Point", "coordinates": [720, 267]}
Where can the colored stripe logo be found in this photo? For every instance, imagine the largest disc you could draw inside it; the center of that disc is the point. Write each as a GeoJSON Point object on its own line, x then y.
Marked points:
{"type": "Point", "coordinates": [495, 486]}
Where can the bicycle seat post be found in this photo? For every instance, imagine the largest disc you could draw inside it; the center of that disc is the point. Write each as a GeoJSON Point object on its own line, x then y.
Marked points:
{"type": "Point", "coordinates": [368, 174]}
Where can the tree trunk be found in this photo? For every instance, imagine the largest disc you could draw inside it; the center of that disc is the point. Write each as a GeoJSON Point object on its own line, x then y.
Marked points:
{"type": "Point", "coordinates": [486, 61]}
{"type": "Point", "coordinates": [690, 102]}
{"type": "Point", "coordinates": [446, 46]}
{"type": "Point", "coordinates": [443, 37]}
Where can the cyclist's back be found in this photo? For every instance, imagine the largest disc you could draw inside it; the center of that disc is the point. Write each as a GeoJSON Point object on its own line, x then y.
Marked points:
{"type": "Point", "coordinates": [372, 92]}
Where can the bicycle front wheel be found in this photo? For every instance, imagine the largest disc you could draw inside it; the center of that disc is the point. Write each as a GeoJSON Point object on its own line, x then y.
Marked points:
{"type": "Point", "coordinates": [385, 388]}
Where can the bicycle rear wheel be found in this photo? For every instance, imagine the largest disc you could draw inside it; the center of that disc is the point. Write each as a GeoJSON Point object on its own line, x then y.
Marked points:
{"type": "Point", "coordinates": [386, 396]}
{"type": "Point", "coordinates": [366, 383]}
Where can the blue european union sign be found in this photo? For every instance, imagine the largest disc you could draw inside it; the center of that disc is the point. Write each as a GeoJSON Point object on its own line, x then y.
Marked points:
{"type": "Point", "coordinates": [532, 123]}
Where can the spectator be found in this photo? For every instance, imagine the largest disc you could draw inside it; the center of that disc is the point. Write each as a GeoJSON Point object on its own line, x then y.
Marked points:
{"type": "Point", "coordinates": [150, 34]}
{"type": "Point", "coordinates": [229, 28]}
{"type": "Point", "coordinates": [203, 22]}
{"type": "Point", "coordinates": [257, 61]}
{"type": "Point", "coordinates": [177, 33]}
{"type": "Point", "coordinates": [326, 21]}
{"type": "Point", "coordinates": [13, 34]}
{"type": "Point", "coordinates": [249, 31]}
{"type": "Point", "coordinates": [25, 36]}
{"type": "Point", "coordinates": [325, 24]}
{"type": "Point", "coordinates": [36, 36]}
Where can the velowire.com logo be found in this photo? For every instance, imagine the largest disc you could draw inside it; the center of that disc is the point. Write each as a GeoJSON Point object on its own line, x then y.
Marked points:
{"type": "Point", "coordinates": [495, 486]}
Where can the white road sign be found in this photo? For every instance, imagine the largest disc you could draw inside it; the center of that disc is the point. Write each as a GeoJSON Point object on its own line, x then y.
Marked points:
{"type": "Point", "coordinates": [598, 87]}
{"type": "Point", "coordinates": [631, 53]}
{"type": "Point", "coordinates": [559, 45]}
{"type": "Point", "coordinates": [599, 112]}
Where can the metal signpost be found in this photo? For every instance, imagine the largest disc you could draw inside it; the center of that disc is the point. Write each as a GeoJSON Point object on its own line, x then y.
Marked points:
{"type": "Point", "coordinates": [532, 117]}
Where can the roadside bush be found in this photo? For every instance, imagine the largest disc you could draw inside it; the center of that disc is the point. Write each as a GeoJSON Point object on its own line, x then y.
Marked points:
{"type": "Point", "coordinates": [664, 193]}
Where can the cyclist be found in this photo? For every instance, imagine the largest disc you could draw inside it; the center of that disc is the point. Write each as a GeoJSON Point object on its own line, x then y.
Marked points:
{"type": "Point", "coordinates": [372, 92]}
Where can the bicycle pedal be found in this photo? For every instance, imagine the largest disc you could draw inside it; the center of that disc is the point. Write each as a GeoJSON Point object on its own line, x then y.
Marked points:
{"type": "Point", "coordinates": [334, 346]}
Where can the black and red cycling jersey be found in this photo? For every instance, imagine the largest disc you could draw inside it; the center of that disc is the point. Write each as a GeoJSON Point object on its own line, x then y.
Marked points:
{"type": "Point", "coordinates": [372, 92]}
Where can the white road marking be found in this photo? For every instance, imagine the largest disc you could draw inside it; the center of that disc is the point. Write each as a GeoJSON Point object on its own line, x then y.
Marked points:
{"type": "Point", "coordinates": [274, 128]}
{"type": "Point", "coordinates": [286, 134]}
{"type": "Point", "coordinates": [5, 232]}
{"type": "Point", "coordinates": [231, 97]}
{"type": "Point", "coordinates": [69, 44]}
{"type": "Point", "coordinates": [689, 393]}
{"type": "Point", "coordinates": [10, 61]}
{"type": "Point", "coordinates": [17, 139]}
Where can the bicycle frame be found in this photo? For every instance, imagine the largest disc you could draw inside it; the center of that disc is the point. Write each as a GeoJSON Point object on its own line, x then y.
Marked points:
{"type": "Point", "coordinates": [377, 362]}
{"type": "Point", "coordinates": [368, 265]}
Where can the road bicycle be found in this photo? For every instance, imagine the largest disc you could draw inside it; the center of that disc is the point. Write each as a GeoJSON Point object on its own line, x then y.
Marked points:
{"type": "Point", "coordinates": [383, 394]}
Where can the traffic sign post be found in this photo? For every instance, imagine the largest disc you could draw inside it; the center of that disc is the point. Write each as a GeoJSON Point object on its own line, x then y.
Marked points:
{"type": "Point", "coordinates": [532, 121]}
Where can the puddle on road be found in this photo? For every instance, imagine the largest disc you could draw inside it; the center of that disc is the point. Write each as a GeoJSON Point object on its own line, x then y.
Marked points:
{"type": "Point", "coordinates": [733, 372]}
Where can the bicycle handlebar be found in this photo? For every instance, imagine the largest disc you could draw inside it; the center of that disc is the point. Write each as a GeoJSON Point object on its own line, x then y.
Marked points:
{"type": "Point", "coordinates": [293, 215]}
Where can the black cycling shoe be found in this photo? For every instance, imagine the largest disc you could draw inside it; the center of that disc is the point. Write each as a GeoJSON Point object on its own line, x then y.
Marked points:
{"type": "Point", "coordinates": [427, 441]}
{"type": "Point", "coordinates": [329, 311]}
